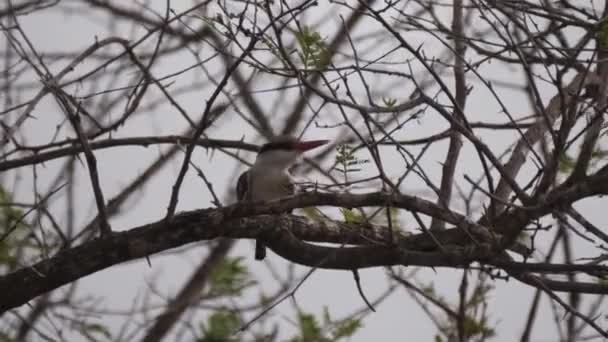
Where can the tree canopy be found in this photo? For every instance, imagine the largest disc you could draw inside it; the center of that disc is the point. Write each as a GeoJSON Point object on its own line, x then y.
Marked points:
{"type": "Point", "coordinates": [467, 160]}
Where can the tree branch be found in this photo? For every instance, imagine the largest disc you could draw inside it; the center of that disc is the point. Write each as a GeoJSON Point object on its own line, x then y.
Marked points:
{"type": "Point", "coordinates": [283, 234]}
{"type": "Point", "coordinates": [38, 158]}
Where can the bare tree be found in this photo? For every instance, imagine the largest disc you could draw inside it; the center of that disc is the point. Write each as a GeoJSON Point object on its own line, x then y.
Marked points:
{"type": "Point", "coordinates": [467, 136]}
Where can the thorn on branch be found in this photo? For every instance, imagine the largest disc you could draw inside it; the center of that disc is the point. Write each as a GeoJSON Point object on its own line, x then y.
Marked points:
{"type": "Point", "coordinates": [358, 282]}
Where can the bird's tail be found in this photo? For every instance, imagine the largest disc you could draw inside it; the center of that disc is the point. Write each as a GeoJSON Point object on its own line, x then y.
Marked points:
{"type": "Point", "coordinates": [260, 250]}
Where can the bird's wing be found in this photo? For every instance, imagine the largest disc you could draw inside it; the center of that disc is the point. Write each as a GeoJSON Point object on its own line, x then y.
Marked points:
{"type": "Point", "coordinates": [289, 185]}
{"type": "Point", "coordinates": [242, 185]}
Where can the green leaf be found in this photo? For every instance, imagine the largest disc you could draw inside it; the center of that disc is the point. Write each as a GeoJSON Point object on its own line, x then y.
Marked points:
{"type": "Point", "coordinates": [344, 154]}
{"type": "Point", "coordinates": [312, 213]}
{"type": "Point", "coordinates": [9, 215]}
{"type": "Point", "coordinates": [96, 328]}
{"type": "Point", "coordinates": [228, 277]}
{"type": "Point", "coordinates": [602, 34]}
{"type": "Point", "coordinates": [429, 290]}
{"type": "Point", "coordinates": [309, 328]}
{"type": "Point", "coordinates": [389, 102]}
{"type": "Point", "coordinates": [312, 331]}
{"type": "Point", "coordinates": [312, 49]}
{"type": "Point", "coordinates": [438, 338]}
{"type": "Point", "coordinates": [221, 327]}
{"type": "Point", "coordinates": [345, 159]}
{"type": "Point", "coordinates": [599, 154]}
{"type": "Point", "coordinates": [351, 216]}
{"type": "Point", "coordinates": [11, 219]}
{"type": "Point", "coordinates": [566, 163]}
{"type": "Point", "coordinates": [347, 328]}
{"type": "Point", "coordinates": [473, 327]}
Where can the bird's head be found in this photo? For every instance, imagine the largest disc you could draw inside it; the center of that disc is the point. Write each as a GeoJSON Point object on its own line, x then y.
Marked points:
{"type": "Point", "coordinates": [282, 152]}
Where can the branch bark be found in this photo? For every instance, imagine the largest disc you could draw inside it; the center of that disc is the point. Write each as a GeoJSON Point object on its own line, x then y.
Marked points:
{"type": "Point", "coordinates": [284, 234]}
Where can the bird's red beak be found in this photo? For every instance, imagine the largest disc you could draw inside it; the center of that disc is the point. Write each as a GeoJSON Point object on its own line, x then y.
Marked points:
{"type": "Point", "coordinates": [303, 146]}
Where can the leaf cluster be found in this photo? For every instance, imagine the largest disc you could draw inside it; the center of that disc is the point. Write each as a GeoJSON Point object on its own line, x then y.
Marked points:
{"type": "Point", "coordinates": [220, 327]}
{"type": "Point", "coordinates": [328, 330]}
{"type": "Point", "coordinates": [228, 278]}
{"type": "Point", "coordinates": [11, 223]}
{"type": "Point", "coordinates": [312, 49]}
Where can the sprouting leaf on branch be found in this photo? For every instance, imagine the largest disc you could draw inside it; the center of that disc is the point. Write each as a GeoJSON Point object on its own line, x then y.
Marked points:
{"type": "Point", "coordinates": [311, 330]}
{"type": "Point", "coordinates": [389, 101]}
{"type": "Point", "coordinates": [602, 34]}
{"type": "Point", "coordinates": [9, 214]}
{"type": "Point", "coordinates": [345, 155]}
{"type": "Point", "coordinates": [346, 160]}
{"type": "Point", "coordinates": [220, 327]}
{"type": "Point", "coordinates": [346, 328]}
{"type": "Point", "coordinates": [352, 217]}
{"type": "Point", "coordinates": [473, 327]}
{"type": "Point", "coordinates": [566, 163]}
{"type": "Point", "coordinates": [312, 49]}
{"type": "Point", "coordinates": [599, 154]}
{"type": "Point", "coordinates": [229, 277]}
{"type": "Point", "coordinates": [312, 213]}
{"type": "Point", "coordinates": [89, 330]}
{"type": "Point", "coordinates": [11, 221]}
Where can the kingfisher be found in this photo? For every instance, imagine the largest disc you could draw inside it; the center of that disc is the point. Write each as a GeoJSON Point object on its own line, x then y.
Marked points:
{"type": "Point", "coordinates": [269, 178]}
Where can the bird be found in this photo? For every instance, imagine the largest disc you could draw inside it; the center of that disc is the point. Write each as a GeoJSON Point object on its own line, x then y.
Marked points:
{"type": "Point", "coordinates": [269, 177]}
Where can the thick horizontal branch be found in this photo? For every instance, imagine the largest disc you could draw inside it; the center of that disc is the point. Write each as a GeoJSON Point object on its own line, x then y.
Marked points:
{"type": "Point", "coordinates": [74, 263]}
{"type": "Point", "coordinates": [285, 235]}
